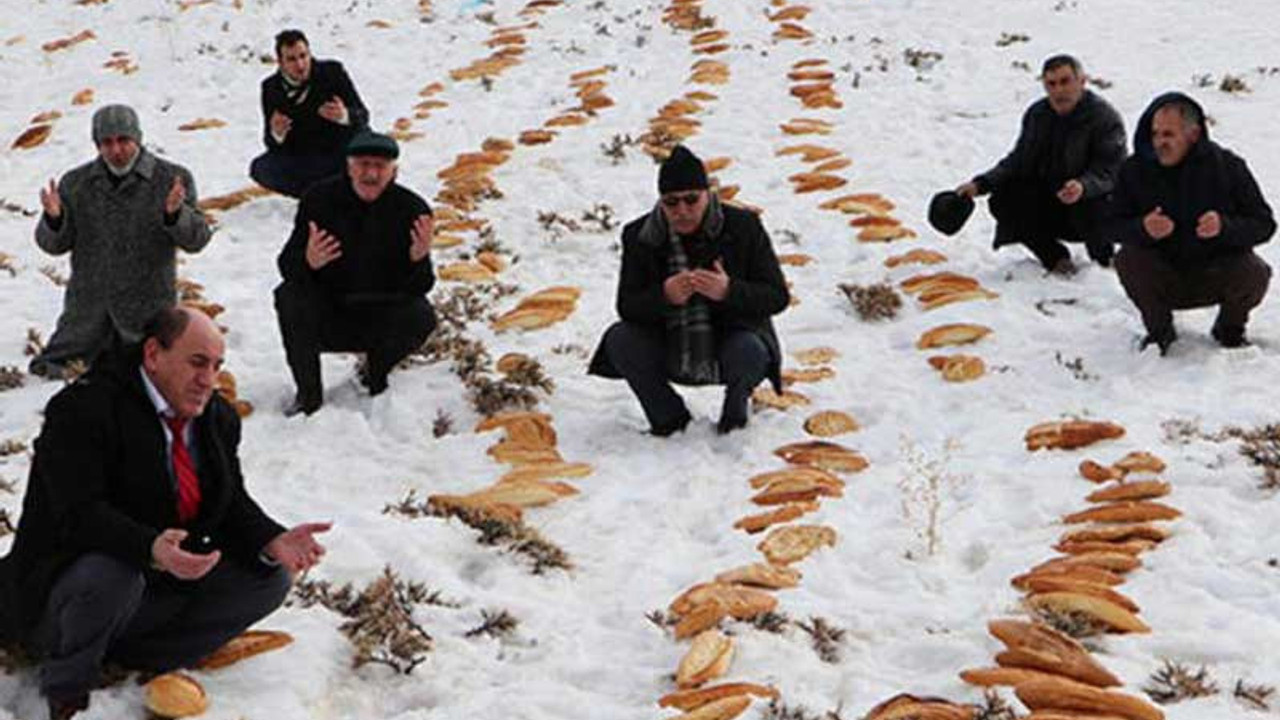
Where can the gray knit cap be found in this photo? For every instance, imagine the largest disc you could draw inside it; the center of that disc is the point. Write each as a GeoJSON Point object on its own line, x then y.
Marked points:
{"type": "Point", "coordinates": [116, 121]}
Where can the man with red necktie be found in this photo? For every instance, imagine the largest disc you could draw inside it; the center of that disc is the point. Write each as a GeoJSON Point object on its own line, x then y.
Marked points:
{"type": "Point", "coordinates": [138, 543]}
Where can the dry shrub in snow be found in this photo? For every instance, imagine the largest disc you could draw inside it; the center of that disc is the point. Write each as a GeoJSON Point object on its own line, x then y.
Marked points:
{"type": "Point", "coordinates": [380, 622]}
{"type": "Point", "coordinates": [874, 302]}
{"type": "Point", "coordinates": [1175, 682]}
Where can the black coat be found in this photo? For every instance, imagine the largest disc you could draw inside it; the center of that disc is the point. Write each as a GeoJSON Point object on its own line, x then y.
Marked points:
{"type": "Point", "coordinates": [312, 134]}
{"type": "Point", "coordinates": [1087, 144]}
{"type": "Point", "coordinates": [100, 482]}
{"type": "Point", "coordinates": [1209, 178]}
{"type": "Point", "coordinates": [757, 289]}
{"type": "Point", "coordinates": [375, 241]}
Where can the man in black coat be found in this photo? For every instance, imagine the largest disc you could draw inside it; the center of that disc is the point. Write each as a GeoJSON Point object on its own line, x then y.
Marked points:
{"type": "Point", "coordinates": [310, 111]}
{"type": "Point", "coordinates": [138, 542]}
{"type": "Point", "coordinates": [356, 272]}
{"type": "Point", "coordinates": [698, 285]}
{"type": "Point", "coordinates": [1187, 213]}
{"type": "Point", "coordinates": [1054, 184]}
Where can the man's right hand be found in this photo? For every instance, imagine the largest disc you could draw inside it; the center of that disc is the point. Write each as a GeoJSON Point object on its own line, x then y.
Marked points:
{"type": "Point", "coordinates": [322, 247]}
{"type": "Point", "coordinates": [50, 200]}
{"type": "Point", "coordinates": [167, 555]}
{"type": "Point", "coordinates": [280, 124]}
{"type": "Point", "coordinates": [1158, 225]}
{"type": "Point", "coordinates": [969, 189]}
{"type": "Point", "coordinates": [678, 288]}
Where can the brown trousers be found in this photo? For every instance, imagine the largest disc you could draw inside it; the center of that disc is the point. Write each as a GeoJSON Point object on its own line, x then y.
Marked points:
{"type": "Point", "coordinates": [1235, 283]}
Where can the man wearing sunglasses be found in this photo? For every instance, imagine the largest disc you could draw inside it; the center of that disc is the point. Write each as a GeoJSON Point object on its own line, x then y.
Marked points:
{"type": "Point", "coordinates": [698, 286]}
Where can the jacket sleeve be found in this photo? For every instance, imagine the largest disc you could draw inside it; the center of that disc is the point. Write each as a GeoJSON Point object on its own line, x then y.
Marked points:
{"type": "Point", "coordinates": [292, 260]}
{"type": "Point", "coordinates": [640, 297]}
{"type": "Point", "coordinates": [422, 275]}
{"type": "Point", "coordinates": [1251, 222]}
{"type": "Point", "coordinates": [1107, 149]}
{"type": "Point", "coordinates": [246, 528]}
{"type": "Point", "coordinates": [191, 231]}
{"type": "Point", "coordinates": [268, 107]}
{"type": "Point", "coordinates": [357, 113]}
{"type": "Point", "coordinates": [73, 452]}
{"type": "Point", "coordinates": [1124, 217]}
{"type": "Point", "coordinates": [762, 292]}
{"type": "Point", "coordinates": [995, 177]}
{"type": "Point", "coordinates": [61, 239]}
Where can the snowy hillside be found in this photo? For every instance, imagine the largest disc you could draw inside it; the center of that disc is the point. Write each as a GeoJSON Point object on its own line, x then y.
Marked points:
{"type": "Point", "coordinates": [924, 94]}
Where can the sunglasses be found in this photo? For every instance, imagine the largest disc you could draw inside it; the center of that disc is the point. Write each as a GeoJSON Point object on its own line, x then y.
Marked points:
{"type": "Point", "coordinates": [689, 199]}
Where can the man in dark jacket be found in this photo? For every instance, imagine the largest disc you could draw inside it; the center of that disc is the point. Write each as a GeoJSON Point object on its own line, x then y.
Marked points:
{"type": "Point", "coordinates": [1187, 213]}
{"type": "Point", "coordinates": [138, 542]}
{"type": "Point", "coordinates": [698, 286]}
{"type": "Point", "coordinates": [310, 111]}
{"type": "Point", "coordinates": [356, 272]}
{"type": "Point", "coordinates": [122, 217]}
{"type": "Point", "coordinates": [1054, 184]}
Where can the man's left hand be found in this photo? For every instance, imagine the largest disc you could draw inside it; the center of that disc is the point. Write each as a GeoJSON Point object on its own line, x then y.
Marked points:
{"type": "Point", "coordinates": [173, 201]}
{"type": "Point", "coordinates": [420, 237]}
{"type": "Point", "coordinates": [713, 283]}
{"type": "Point", "coordinates": [297, 549]}
{"type": "Point", "coordinates": [1209, 225]}
{"type": "Point", "coordinates": [335, 111]}
{"type": "Point", "coordinates": [1070, 192]}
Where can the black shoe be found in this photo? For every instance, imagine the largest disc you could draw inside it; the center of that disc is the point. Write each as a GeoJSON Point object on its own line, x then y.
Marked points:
{"type": "Point", "coordinates": [66, 708]}
{"type": "Point", "coordinates": [671, 428]}
{"type": "Point", "coordinates": [376, 384]}
{"type": "Point", "coordinates": [728, 424]}
{"type": "Point", "coordinates": [1064, 268]}
{"type": "Point", "coordinates": [1162, 339]}
{"type": "Point", "coordinates": [1229, 336]}
{"type": "Point", "coordinates": [304, 405]}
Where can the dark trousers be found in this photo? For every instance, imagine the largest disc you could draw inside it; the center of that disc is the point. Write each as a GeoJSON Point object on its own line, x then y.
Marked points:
{"type": "Point", "coordinates": [386, 330]}
{"type": "Point", "coordinates": [103, 609]}
{"type": "Point", "coordinates": [1236, 283]}
{"type": "Point", "coordinates": [292, 174]}
{"type": "Point", "coordinates": [1030, 213]}
{"type": "Point", "coordinates": [639, 354]}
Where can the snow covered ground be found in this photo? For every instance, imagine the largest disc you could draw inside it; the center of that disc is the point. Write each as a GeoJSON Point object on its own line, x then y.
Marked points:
{"type": "Point", "coordinates": [656, 515]}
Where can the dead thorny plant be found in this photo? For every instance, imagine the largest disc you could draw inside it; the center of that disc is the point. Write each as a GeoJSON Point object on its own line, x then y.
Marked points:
{"type": "Point", "coordinates": [442, 425]}
{"type": "Point", "coordinates": [380, 622]}
{"type": "Point", "coordinates": [994, 707]}
{"type": "Point", "coordinates": [826, 638]}
{"type": "Point", "coordinates": [1175, 682]}
{"type": "Point", "coordinates": [778, 710]}
{"type": "Point", "coordinates": [35, 343]}
{"type": "Point", "coordinates": [873, 302]}
{"type": "Point", "coordinates": [1076, 624]}
{"type": "Point", "coordinates": [1257, 697]}
{"type": "Point", "coordinates": [922, 489]}
{"type": "Point", "coordinates": [10, 377]}
{"type": "Point", "coordinates": [495, 623]}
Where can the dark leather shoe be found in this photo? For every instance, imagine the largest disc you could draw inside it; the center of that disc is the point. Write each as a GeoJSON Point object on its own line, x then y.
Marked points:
{"type": "Point", "coordinates": [1162, 339]}
{"type": "Point", "coordinates": [66, 708]}
{"type": "Point", "coordinates": [1229, 336]}
{"type": "Point", "coordinates": [729, 424]}
{"type": "Point", "coordinates": [304, 405]}
{"type": "Point", "coordinates": [673, 427]}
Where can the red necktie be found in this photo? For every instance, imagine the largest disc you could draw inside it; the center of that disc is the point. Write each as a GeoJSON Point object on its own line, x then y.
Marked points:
{"type": "Point", "coordinates": [185, 471]}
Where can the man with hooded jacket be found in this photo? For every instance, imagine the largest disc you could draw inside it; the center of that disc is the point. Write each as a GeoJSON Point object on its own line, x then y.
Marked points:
{"type": "Point", "coordinates": [1187, 213]}
{"type": "Point", "coordinates": [698, 285]}
{"type": "Point", "coordinates": [1054, 184]}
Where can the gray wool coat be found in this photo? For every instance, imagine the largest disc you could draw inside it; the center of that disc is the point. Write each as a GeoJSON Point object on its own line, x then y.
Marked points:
{"type": "Point", "coordinates": [122, 252]}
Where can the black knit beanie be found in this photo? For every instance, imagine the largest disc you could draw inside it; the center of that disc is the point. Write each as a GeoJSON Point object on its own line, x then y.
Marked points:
{"type": "Point", "coordinates": [682, 170]}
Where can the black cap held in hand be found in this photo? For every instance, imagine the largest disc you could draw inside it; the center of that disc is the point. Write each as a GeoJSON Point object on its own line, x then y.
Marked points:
{"type": "Point", "coordinates": [682, 170]}
{"type": "Point", "coordinates": [949, 210]}
{"type": "Point", "coordinates": [367, 142]}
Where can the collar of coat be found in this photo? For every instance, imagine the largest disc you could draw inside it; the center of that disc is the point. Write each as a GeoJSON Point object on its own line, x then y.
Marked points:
{"type": "Point", "coordinates": [145, 166]}
{"type": "Point", "coordinates": [654, 231]}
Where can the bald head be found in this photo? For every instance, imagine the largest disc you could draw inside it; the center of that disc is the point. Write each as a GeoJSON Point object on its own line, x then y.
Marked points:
{"type": "Point", "coordinates": [182, 352]}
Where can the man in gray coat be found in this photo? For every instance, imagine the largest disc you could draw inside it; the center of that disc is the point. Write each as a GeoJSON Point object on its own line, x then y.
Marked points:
{"type": "Point", "coordinates": [120, 216]}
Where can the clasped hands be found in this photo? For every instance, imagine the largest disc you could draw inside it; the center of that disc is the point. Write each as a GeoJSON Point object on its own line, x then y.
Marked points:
{"type": "Point", "coordinates": [712, 283]}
